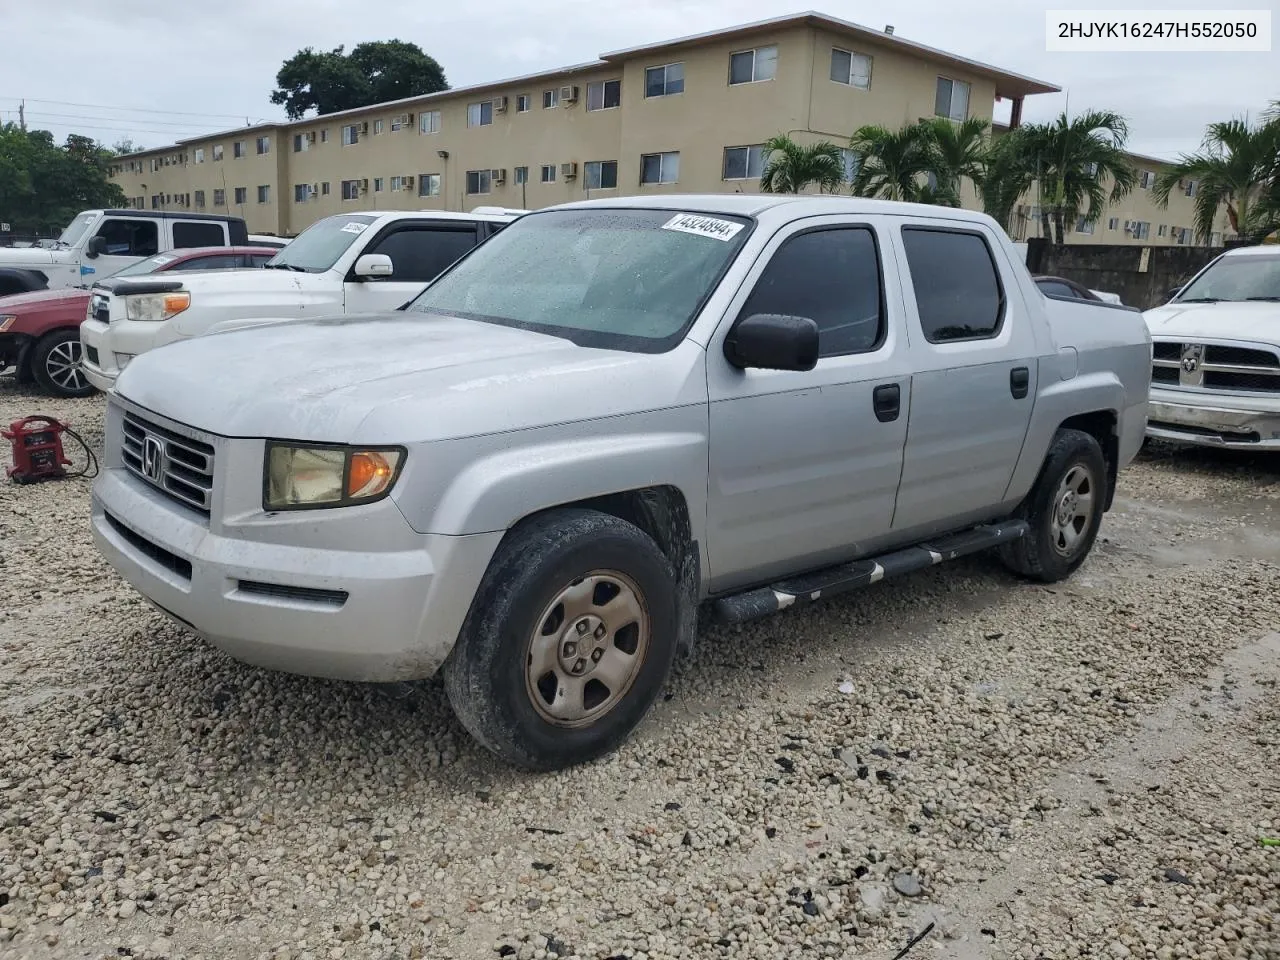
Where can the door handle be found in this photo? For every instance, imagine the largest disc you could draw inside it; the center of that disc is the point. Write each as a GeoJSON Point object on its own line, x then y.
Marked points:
{"type": "Point", "coordinates": [886, 400]}
{"type": "Point", "coordinates": [1019, 382]}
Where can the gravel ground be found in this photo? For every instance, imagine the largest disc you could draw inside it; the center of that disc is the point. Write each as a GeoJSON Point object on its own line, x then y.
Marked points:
{"type": "Point", "coordinates": [1076, 771]}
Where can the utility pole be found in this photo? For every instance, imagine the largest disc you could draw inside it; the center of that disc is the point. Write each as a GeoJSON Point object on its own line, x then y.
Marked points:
{"type": "Point", "coordinates": [22, 115]}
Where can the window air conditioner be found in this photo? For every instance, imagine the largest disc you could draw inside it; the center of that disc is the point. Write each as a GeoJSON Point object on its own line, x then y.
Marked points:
{"type": "Point", "coordinates": [568, 94]}
{"type": "Point", "coordinates": [568, 170]}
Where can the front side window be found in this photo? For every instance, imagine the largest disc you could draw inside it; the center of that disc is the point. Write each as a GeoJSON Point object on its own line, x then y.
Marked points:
{"type": "Point", "coordinates": [619, 279]}
{"type": "Point", "coordinates": [660, 167]}
{"type": "Point", "coordinates": [130, 238]}
{"type": "Point", "coordinates": [478, 181]}
{"type": "Point", "coordinates": [318, 247]}
{"type": "Point", "coordinates": [957, 290]}
{"type": "Point", "coordinates": [429, 121]}
{"type": "Point", "coordinates": [832, 276]}
{"type": "Point", "coordinates": [853, 69]}
{"type": "Point", "coordinates": [419, 253]}
{"type": "Point", "coordinates": [743, 163]}
{"type": "Point", "coordinates": [428, 184]}
{"type": "Point", "coordinates": [1249, 277]}
{"type": "Point", "coordinates": [752, 66]}
{"type": "Point", "coordinates": [664, 81]}
{"type": "Point", "coordinates": [600, 175]}
{"type": "Point", "coordinates": [952, 99]}
{"type": "Point", "coordinates": [480, 114]}
{"type": "Point", "coordinates": [604, 94]}
{"type": "Point", "coordinates": [187, 234]}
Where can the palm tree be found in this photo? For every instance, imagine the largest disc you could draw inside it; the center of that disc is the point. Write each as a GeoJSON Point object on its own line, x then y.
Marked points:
{"type": "Point", "coordinates": [1008, 174]}
{"type": "Point", "coordinates": [1071, 158]}
{"type": "Point", "coordinates": [959, 152]}
{"type": "Point", "coordinates": [789, 167]}
{"type": "Point", "coordinates": [891, 163]}
{"type": "Point", "coordinates": [1238, 166]}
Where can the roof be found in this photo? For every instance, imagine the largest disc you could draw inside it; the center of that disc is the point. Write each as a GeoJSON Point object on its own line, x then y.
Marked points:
{"type": "Point", "coordinates": [1262, 250]}
{"type": "Point", "coordinates": [187, 253]}
{"type": "Point", "coordinates": [422, 215]}
{"type": "Point", "coordinates": [169, 215]}
{"type": "Point", "coordinates": [1144, 157]}
{"type": "Point", "coordinates": [791, 206]}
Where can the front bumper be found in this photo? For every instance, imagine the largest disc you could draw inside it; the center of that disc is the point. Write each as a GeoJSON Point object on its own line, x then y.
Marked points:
{"type": "Point", "coordinates": [98, 361]}
{"type": "Point", "coordinates": [350, 611]}
{"type": "Point", "coordinates": [1230, 421]}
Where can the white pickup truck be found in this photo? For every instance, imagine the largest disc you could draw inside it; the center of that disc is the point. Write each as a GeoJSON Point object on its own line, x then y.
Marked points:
{"type": "Point", "coordinates": [349, 263]}
{"type": "Point", "coordinates": [98, 243]}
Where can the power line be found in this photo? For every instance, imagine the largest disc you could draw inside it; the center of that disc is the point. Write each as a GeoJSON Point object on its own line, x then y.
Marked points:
{"type": "Point", "coordinates": [128, 120]}
{"type": "Point", "coordinates": [99, 106]}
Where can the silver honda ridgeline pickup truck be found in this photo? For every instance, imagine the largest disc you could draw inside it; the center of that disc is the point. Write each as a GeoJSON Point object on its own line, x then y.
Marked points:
{"type": "Point", "coordinates": [606, 414]}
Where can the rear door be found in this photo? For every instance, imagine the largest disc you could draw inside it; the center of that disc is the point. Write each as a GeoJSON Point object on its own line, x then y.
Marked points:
{"type": "Point", "coordinates": [198, 233]}
{"type": "Point", "coordinates": [419, 250]}
{"type": "Point", "coordinates": [974, 356]}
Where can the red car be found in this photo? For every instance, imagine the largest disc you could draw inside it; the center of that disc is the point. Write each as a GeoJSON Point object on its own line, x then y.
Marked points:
{"type": "Point", "coordinates": [40, 332]}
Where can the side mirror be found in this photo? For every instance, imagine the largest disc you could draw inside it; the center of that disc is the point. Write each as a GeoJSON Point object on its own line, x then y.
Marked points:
{"type": "Point", "coordinates": [95, 247]}
{"type": "Point", "coordinates": [373, 265]}
{"type": "Point", "coordinates": [773, 341]}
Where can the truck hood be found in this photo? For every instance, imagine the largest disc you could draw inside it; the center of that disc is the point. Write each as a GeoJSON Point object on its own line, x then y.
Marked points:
{"type": "Point", "coordinates": [399, 378]}
{"type": "Point", "coordinates": [239, 281]}
{"type": "Point", "coordinates": [38, 299]}
{"type": "Point", "coordinates": [31, 258]}
{"type": "Point", "coordinates": [1228, 320]}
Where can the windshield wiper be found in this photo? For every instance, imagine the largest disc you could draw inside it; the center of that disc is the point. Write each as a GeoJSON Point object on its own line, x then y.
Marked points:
{"type": "Point", "coordinates": [284, 266]}
{"type": "Point", "coordinates": [1200, 300]}
{"type": "Point", "coordinates": [1271, 299]}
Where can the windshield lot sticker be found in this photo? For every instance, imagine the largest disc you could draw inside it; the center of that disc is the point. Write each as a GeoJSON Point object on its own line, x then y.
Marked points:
{"type": "Point", "coordinates": [354, 227]}
{"type": "Point", "coordinates": [703, 226]}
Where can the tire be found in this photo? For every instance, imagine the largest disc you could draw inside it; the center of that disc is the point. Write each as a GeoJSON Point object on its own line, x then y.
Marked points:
{"type": "Point", "coordinates": [1051, 551]}
{"type": "Point", "coordinates": [55, 362]}
{"type": "Point", "coordinates": [535, 713]}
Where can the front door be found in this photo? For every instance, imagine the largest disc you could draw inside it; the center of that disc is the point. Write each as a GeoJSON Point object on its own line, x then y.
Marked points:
{"type": "Point", "coordinates": [127, 242]}
{"type": "Point", "coordinates": [974, 355]}
{"type": "Point", "coordinates": [804, 466]}
{"type": "Point", "coordinates": [419, 251]}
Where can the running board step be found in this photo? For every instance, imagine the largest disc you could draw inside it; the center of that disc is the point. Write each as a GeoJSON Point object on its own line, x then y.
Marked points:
{"type": "Point", "coordinates": [828, 582]}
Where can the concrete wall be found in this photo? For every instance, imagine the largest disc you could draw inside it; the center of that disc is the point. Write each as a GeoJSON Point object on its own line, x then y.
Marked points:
{"type": "Point", "coordinates": [1141, 275]}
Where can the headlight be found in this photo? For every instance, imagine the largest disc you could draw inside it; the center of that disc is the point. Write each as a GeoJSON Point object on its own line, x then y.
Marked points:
{"type": "Point", "coordinates": [296, 478]}
{"type": "Point", "coordinates": [156, 306]}
{"type": "Point", "coordinates": [6, 321]}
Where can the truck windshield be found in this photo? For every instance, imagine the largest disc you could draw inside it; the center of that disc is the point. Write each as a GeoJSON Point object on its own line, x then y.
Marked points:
{"type": "Point", "coordinates": [318, 247]}
{"type": "Point", "coordinates": [1243, 277]}
{"type": "Point", "coordinates": [628, 279]}
{"type": "Point", "coordinates": [76, 229]}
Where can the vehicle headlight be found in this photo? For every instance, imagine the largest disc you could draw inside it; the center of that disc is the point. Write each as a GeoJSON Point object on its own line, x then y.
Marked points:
{"type": "Point", "coordinates": [297, 477]}
{"type": "Point", "coordinates": [7, 320]}
{"type": "Point", "coordinates": [156, 306]}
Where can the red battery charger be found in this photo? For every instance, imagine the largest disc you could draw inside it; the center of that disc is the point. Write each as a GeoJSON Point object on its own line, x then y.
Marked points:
{"type": "Point", "coordinates": [37, 449]}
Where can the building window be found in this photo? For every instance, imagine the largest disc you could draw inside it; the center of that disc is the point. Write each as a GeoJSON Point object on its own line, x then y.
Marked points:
{"type": "Point", "coordinates": [550, 98]}
{"type": "Point", "coordinates": [664, 81]}
{"type": "Point", "coordinates": [477, 181]}
{"type": "Point", "coordinates": [1140, 229]}
{"type": "Point", "coordinates": [660, 167]}
{"type": "Point", "coordinates": [1189, 189]}
{"type": "Point", "coordinates": [242, 194]}
{"type": "Point", "coordinates": [264, 145]}
{"type": "Point", "coordinates": [237, 149]}
{"type": "Point", "coordinates": [199, 199]}
{"type": "Point", "coordinates": [521, 175]}
{"type": "Point", "coordinates": [301, 192]}
{"type": "Point", "coordinates": [429, 121]}
{"type": "Point", "coordinates": [397, 184]}
{"type": "Point", "coordinates": [604, 94]}
{"type": "Point", "coordinates": [849, 68]}
{"type": "Point", "coordinates": [428, 184]}
{"type": "Point", "coordinates": [600, 175]}
{"type": "Point", "coordinates": [301, 142]}
{"type": "Point", "coordinates": [743, 163]}
{"type": "Point", "coordinates": [217, 152]}
{"type": "Point", "coordinates": [1215, 238]}
{"type": "Point", "coordinates": [752, 66]}
{"type": "Point", "coordinates": [324, 188]}
{"type": "Point", "coordinates": [1146, 179]}
{"type": "Point", "coordinates": [377, 127]}
{"type": "Point", "coordinates": [952, 99]}
{"type": "Point", "coordinates": [350, 134]}
{"type": "Point", "coordinates": [350, 189]}
{"type": "Point", "coordinates": [1084, 226]}
{"type": "Point", "coordinates": [480, 114]}
{"type": "Point", "coordinates": [324, 135]}
{"type": "Point", "coordinates": [548, 173]}
{"type": "Point", "coordinates": [1162, 230]}
{"type": "Point", "coordinates": [377, 184]}
{"type": "Point", "coordinates": [219, 197]}
{"type": "Point", "coordinates": [199, 154]}
{"type": "Point", "coordinates": [522, 103]}
{"type": "Point", "coordinates": [1113, 223]}
{"type": "Point", "coordinates": [264, 194]}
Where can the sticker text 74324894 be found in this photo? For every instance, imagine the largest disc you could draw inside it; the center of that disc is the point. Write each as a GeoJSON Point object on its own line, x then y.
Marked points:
{"type": "Point", "coordinates": [703, 226]}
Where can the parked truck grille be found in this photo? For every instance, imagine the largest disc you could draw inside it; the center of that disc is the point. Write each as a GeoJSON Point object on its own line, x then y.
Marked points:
{"type": "Point", "coordinates": [179, 465]}
{"type": "Point", "coordinates": [1211, 366]}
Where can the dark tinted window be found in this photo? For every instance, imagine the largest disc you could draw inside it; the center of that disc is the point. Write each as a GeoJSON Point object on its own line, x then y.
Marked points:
{"type": "Point", "coordinates": [832, 277]}
{"type": "Point", "coordinates": [957, 290]}
{"type": "Point", "coordinates": [223, 261]}
{"type": "Point", "coordinates": [130, 238]}
{"type": "Point", "coordinates": [258, 259]}
{"type": "Point", "coordinates": [193, 234]}
{"type": "Point", "coordinates": [1054, 288]}
{"type": "Point", "coordinates": [420, 254]}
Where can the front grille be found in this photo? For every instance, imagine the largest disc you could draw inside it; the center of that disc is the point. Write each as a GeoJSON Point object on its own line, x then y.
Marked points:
{"type": "Point", "coordinates": [170, 561]}
{"type": "Point", "coordinates": [1212, 366]}
{"type": "Point", "coordinates": [179, 465]}
{"type": "Point", "coordinates": [281, 591]}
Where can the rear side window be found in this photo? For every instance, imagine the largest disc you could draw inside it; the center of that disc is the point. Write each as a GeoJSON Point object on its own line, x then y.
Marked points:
{"type": "Point", "coordinates": [958, 292]}
{"type": "Point", "coordinates": [420, 254]}
{"type": "Point", "coordinates": [831, 276]}
{"type": "Point", "coordinates": [130, 238]}
{"type": "Point", "coordinates": [1053, 288]}
{"type": "Point", "coordinates": [223, 261]}
{"type": "Point", "coordinates": [187, 233]}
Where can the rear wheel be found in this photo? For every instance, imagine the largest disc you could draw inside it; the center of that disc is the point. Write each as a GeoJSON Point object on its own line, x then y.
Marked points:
{"type": "Point", "coordinates": [56, 364]}
{"type": "Point", "coordinates": [569, 640]}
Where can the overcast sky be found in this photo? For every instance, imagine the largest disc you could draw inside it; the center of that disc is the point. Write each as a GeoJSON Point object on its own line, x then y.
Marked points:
{"type": "Point", "coordinates": [109, 69]}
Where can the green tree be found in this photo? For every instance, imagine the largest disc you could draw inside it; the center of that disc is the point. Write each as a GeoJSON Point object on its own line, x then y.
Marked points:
{"type": "Point", "coordinates": [331, 80]}
{"type": "Point", "coordinates": [958, 152]}
{"type": "Point", "coordinates": [1009, 171]}
{"type": "Point", "coordinates": [789, 167]}
{"type": "Point", "coordinates": [892, 163]}
{"type": "Point", "coordinates": [1237, 166]}
{"type": "Point", "coordinates": [43, 185]}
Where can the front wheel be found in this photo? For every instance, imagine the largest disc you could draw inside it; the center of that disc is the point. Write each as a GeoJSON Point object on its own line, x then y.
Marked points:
{"type": "Point", "coordinates": [56, 364]}
{"type": "Point", "coordinates": [1064, 510]}
{"type": "Point", "coordinates": [568, 642]}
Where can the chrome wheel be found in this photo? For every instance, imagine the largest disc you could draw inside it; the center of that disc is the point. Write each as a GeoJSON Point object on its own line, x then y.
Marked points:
{"type": "Point", "coordinates": [587, 648]}
{"type": "Point", "coordinates": [64, 366]}
{"type": "Point", "coordinates": [1073, 505]}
